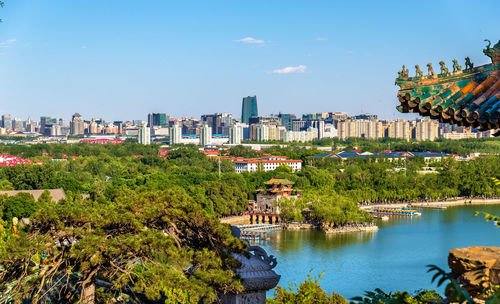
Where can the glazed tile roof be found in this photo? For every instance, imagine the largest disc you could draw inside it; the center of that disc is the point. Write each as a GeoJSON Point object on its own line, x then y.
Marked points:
{"type": "Point", "coordinates": [279, 181]}
{"type": "Point", "coordinates": [468, 96]}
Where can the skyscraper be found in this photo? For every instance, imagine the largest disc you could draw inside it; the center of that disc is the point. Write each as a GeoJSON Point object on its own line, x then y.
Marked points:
{"type": "Point", "coordinates": [249, 108]}
{"type": "Point", "coordinates": [76, 124]}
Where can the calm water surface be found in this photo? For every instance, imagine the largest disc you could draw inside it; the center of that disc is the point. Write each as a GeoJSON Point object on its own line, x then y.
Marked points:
{"type": "Point", "coordinates": [393, 258]}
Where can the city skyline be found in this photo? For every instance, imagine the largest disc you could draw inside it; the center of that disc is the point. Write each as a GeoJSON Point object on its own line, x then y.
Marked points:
{"type": "Point", "coordinates": [195, 58]}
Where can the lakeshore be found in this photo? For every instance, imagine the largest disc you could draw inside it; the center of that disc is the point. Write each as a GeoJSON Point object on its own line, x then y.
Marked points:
{"type": "Point", "coordinates": [447, 203]}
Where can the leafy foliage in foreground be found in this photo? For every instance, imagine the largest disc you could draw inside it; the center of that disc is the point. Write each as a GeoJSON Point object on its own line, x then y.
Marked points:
{"type": "Point", "coordinates": [398, 297]}
{"type": "Point", "coordinates": [308, 291]}
{"type": "Point", "coordinates": [151, 245]}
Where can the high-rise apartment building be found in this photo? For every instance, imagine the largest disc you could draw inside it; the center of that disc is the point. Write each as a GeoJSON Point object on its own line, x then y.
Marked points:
{"type": "Point", "coordinates": [262, 133]}
{"type": "Point", "coordinates": [426, 129]}
{"type": "Point", "coordinates": [249, 108]}
{"type": "Point", "coordinates": [235, 134]}
{"type": "Point", "coordinates": [399, 129]}
{"type": "Point", "coordinates": [76, 124]}
{"type": "Point", "coordinates": [176, 134]}
{"type": "Point", "coordinates": [144, 135]}
{"type": "Point", "coordinates": [205, 135]}
{"type": "Point", "coordinates": [372, 129]}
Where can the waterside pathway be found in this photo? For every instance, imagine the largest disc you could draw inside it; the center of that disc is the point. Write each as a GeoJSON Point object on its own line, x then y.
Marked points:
{"type": "Point", "coordinates": [393, 258]}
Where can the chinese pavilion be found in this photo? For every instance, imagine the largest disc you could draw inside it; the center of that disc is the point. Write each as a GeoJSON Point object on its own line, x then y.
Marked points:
{"type": "Point", "coordinates": [276, 188]}
{"type": "Point", "coordinates": [467, 97]}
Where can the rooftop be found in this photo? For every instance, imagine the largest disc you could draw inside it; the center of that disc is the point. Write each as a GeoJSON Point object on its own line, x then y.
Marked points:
{"type": "Point", "coordinates": [279, 181]}
{"type": "Point", "coordinates": [463, 95]}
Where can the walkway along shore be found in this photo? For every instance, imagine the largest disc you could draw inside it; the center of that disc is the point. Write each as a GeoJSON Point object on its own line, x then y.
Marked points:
{"type": "Point", "coordinates": [457, 202]}
{"type": "Point", "coordinates": [239, 220]}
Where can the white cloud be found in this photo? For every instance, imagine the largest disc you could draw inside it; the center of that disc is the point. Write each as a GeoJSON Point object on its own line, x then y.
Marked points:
{"type": "Point", "coordinates": [291, 70]}
{"type": "Point", "coordinates": [7, 43]}
{"type": "Point", "coordinates": [321, 39]}
{"type": "Point", "coordinates": [250, 40]}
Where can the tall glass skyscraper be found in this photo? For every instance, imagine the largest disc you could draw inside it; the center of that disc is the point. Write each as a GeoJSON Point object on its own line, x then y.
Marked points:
{"type": "Point", "coordinates": [249, 108]}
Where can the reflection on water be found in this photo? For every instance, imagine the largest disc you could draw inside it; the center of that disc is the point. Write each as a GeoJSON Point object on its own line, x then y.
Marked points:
{"type": "Point", "coordinates": [288, 241]}
{"type": "Point", "coordinates": [394, 258]}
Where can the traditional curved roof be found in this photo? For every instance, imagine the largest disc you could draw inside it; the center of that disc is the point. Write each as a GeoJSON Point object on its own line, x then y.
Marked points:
{"type": "Point", "coordinates": [467, 97]}
{"type": "Point", "coordinates": [279, 181]}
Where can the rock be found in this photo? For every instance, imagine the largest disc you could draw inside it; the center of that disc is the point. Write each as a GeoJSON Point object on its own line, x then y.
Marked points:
{"type": "Point", "coordinates": [475, 268]}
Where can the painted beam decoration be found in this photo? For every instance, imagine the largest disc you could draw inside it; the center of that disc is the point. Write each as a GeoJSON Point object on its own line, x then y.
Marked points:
{"type": "Point", "coordinates": [463, 95]}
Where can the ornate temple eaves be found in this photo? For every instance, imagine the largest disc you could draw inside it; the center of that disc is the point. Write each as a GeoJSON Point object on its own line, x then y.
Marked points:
{"type": "Point", "coordinates": [468, 96]}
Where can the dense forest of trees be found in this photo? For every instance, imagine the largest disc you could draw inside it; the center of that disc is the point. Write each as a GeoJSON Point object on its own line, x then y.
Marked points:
{"type": "Point", "coordinates": [102, 171]}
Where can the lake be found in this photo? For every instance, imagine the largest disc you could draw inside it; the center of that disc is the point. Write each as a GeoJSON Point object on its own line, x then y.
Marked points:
{"type": "Point", "coordinates": [393, 258]}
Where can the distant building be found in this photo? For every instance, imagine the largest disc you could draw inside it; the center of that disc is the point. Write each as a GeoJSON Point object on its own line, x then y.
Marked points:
{"type": "Point", "coordinates": [6, 121]}
{"type": "Point", "coordinates": [299, 125]}
{"type": "Point", "coordinates": [144, 135]}
{"type": "Point", "coordinates": [235, 134]}
{"type": "Point", "coordinates": [372, 129]}
{"type": "Point", "coordinates": [55, 130]}
{"type": "Point", "coordinates": [176, 134]}
{"type": "Point", "coordinates": [286, 120]}
{"type": "Point", "coordinates": [301, 136]}
{"type": "Point", "coordinates": [18, 125]}
{"type": "Point", "coordinates": [76, 125]}
{"type": "Point", "coordinates": [366, 117]}
{"type": "Point", "coordinates": [249, 108]}
{"type": "Point", "coordinates": [339, 115]}
{"type": "Point", "coordinates": [399, 129]}
{"type": "Point", "coordinates": [158, 120]}
{"type": "Point", "coordinates": [267, 163]}
{"type": "Point", "coordinates": [218, 122]}
{"type": "Point", "coordinates": [426, 129]}
{"type": "Point", "coordinates": [46, 124]}
{"type": "Point", "coordinates": [456, 135]}
{"type": "Point", "coordinates": [205, 135]}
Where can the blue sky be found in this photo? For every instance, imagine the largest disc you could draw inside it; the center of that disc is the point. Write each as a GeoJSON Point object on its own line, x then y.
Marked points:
{"type": "Point", "coordinates": [120, 59]}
